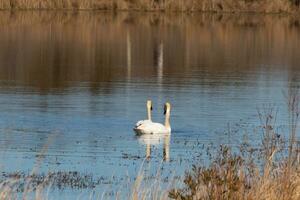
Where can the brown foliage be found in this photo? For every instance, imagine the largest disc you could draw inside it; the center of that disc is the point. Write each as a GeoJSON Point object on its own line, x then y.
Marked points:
{"type": "Point", "coordinates": [266, 6]}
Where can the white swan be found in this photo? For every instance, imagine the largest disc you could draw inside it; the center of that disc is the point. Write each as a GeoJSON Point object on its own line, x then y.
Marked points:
{"type": "Point", "coordinates": [149, 109]}
{"type": "Point", "coordinates": [156, 128]}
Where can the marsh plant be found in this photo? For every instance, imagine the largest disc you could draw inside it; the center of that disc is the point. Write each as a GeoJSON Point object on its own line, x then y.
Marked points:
{"type": "Point", "coordinates": [271, 171]}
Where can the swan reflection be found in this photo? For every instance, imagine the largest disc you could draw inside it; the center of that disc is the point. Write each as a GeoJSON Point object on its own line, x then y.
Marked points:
{"type": "Point", "coordinates": [155, 140]}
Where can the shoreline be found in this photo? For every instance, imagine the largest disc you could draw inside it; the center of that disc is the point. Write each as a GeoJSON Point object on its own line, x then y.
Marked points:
{"type": "Point", "coordinates": [295, 14]}
{"type": "Point", "coordinates": [158, 6]}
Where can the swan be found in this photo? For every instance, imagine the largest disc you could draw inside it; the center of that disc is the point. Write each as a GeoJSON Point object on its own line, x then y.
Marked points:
{"type": "Point", "coordinates": [156, 128]}
{"type": "Point", "coordinates": [149, 109]}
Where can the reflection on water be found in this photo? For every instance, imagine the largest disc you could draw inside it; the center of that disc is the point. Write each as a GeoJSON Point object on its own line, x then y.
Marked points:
{"type": "Point", "coordinates": [83, 77]}
{"type": "Point", "coordinates": [53, 49]}
{"type": "Point", "coordinates": [156, 139]}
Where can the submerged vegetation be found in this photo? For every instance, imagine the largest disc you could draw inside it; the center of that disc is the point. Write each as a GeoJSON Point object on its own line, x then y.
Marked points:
{"type": "Point", "coordinates": [266, 6]}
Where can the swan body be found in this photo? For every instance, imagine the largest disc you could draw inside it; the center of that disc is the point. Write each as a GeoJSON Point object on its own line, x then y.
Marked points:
{"type": "Point", "coordinates": [156, 128]}
{"type": "Point", "coordinates": [139, 123]}
{"type": "Point", "coordinates": [152, 128]}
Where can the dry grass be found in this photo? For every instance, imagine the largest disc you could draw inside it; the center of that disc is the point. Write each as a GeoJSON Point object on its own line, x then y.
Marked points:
{"type": "Point", "coordinates": [232, 177]}
{"type": "Point", "coordinates": [269, 172]}
{"type": "Point", "coordinates": [159, 5]}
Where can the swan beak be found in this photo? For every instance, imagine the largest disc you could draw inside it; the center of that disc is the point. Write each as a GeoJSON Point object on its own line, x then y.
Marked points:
{"type": "Point", "coordinates": [151, 108]}
{"type": "Point", "coordinates": [165, 110]}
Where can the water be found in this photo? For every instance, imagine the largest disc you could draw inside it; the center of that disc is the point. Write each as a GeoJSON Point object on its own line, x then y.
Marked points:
{"type": "Point", "coordinates": [72, 85]}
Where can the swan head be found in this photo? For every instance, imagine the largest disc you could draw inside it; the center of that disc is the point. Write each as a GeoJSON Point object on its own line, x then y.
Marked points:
{"type": "Point", "coordinates": [149, 105]}
{"type": "Point", "coordinates": [167, 108]}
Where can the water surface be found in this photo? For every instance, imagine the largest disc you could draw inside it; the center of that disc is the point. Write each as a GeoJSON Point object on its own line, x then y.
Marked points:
{"type": "Point", "coordinates": [72, 85]}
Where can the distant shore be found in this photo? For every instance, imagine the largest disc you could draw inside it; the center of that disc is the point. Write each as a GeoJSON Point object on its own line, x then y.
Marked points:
{"type": "Point", "coordinates": [232, 6]}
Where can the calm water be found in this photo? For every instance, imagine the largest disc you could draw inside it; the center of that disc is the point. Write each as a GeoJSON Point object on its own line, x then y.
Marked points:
{"type": "Point", "coordinates": [72, 85]}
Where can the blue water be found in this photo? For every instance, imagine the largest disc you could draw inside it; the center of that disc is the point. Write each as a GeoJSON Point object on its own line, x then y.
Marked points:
{"type": "Point", "coordinates": [69, 103]}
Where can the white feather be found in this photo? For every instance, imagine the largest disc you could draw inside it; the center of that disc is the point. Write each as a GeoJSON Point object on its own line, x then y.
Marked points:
{"type": "Point", "coordinates": [151, 128]}
{"type": "Point", "coordinates": [148, 127]}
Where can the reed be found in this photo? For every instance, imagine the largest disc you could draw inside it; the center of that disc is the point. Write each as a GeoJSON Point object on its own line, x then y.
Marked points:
{"type": "Point", "coordinates": [230, 177]}
{"type": "Point", "coordinates": [266, 6]}
{"type": "Point", "coordinates": [269, 172]}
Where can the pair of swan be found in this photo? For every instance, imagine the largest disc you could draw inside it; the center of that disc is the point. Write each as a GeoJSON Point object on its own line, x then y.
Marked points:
{"type": "Point", "coordinates": [149, 127]}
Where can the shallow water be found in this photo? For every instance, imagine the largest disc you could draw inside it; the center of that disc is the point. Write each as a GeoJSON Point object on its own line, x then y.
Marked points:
{"type": "Point", "coordinates": [72, 85]}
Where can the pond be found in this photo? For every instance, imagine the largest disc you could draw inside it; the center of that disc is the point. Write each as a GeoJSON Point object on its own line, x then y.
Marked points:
{"type": "Point", "coordinates": [73, 84]}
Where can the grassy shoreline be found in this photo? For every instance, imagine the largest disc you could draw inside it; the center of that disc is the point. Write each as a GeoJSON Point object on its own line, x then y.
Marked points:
{"type": "Point", "coordinates": [218, 6]}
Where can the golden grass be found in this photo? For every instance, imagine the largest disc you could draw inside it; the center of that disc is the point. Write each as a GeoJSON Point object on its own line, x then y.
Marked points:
{"type": "Point", "coordinates": [232, 177]}
{"type": "Point", "coordinates": [266, 6]}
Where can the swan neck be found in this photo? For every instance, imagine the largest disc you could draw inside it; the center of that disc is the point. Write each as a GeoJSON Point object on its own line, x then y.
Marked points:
{"type": "Point", "coordinates": [149, 113]}
{"type": "Point", "coordinates": [167, 120]}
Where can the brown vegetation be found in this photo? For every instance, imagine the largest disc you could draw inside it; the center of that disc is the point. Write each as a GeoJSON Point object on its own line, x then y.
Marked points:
{"type": "Point", "coordinates": [266, 6]}
{"type": "Point", "coordinates": [232, 177]}
{"type": "Point", "coordinates": [269, 172]}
